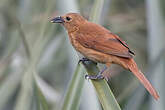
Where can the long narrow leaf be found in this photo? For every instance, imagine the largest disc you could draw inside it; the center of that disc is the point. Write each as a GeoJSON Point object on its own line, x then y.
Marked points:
{"type": "Point", "coordinates": [72, 98]}
{"type": "Point", "coordinates": [41, 98]}
{"type": "Point", "coordinates": [104, 93]}
{"type": "Point", "coordinates": [156, 35]}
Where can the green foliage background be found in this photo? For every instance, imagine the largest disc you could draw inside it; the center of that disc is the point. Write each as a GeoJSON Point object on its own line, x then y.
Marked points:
{"type": "Point", "coordinates": [37, 61]}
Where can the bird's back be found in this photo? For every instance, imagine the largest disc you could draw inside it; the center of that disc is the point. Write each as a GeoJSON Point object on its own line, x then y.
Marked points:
{"type": "Point", "coordinates": [93, 29]}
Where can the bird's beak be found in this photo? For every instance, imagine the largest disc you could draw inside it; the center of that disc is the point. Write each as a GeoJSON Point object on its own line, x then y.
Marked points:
{"type": "Point", "coordinates": [58, 19]}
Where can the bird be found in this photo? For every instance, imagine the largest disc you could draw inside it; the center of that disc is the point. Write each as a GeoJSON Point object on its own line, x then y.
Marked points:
{"type": "Point", "coordinates": [100, 45]}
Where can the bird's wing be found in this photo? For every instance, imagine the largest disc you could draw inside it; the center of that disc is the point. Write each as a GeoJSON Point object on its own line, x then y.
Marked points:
{"type": "Point", "coordinates": [106, 43]}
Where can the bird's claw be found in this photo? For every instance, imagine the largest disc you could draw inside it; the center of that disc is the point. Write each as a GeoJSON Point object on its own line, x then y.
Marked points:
{"type": "Point", "coordinates": [83, 60]}
{"type": "Point", "coordinates": [94, 77]}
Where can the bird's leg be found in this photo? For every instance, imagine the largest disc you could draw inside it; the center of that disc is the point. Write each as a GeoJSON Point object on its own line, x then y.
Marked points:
{"type": "Point", "coordinates": [102, 71]}
{"type": "Point", "coordinates": [83, 60]}
{"type": "Point", "coordinates": [98, 76]}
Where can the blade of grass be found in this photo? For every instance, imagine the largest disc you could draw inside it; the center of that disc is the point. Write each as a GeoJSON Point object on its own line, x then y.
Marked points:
{"type": "Point", "coordinates": [156, 35]}
{"type": "Point", "coordinates": [24, 99]}
{"type": "Point", "coordinates": [89, 97]}
{"type": "Point", "coordinates": [96, 11]}
{"type": "Point", "coordinates": [41, 98]}
{"type": "Point", "coordinates": [72, 98]}
{"type": "Point", "coordinates": [24, 39]}
{"type": "Point", "coordinates": [13, 44]}
{"type": "Point", "coordinates": [48, 91]}
{"type": "Point", "coordinates": [8, 87]}
{"type": "Point", "coordinates": [104, 93]}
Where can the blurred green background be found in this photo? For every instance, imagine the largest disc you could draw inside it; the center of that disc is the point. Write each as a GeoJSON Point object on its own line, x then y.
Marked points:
{"type": "Point", "coordinates": [37, 60]}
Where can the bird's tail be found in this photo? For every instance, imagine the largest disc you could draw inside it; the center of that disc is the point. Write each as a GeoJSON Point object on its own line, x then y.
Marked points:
{"type": "Point", "coordinates": [131, 64]}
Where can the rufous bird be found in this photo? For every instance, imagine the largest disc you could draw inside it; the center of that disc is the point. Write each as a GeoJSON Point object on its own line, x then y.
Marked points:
{"type": "Point", "coordinates": [100, 45]}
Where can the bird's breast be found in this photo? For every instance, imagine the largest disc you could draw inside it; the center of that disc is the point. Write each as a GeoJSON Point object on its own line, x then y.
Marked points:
{"type": "Point", "coordinates": [89, 53]}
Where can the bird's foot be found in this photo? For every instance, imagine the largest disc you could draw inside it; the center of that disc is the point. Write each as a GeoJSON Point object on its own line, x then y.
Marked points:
{"type": "Point", "coordinates": [83, 60]}
{"type": "Point", "coordinates": [94, 77]}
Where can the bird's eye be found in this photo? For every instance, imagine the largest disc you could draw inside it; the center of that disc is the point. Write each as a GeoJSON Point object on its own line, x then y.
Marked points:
{"type": "Point", "coordinates": [68, 18]}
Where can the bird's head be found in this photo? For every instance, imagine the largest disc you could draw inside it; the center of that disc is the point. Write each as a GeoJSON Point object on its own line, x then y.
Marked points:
{"type": "Point", "coordinates": [71, 21]}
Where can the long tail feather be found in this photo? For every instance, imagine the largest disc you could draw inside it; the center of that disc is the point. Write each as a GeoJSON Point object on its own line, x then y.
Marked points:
{"type": "Point", "coordinates": [134, 69]}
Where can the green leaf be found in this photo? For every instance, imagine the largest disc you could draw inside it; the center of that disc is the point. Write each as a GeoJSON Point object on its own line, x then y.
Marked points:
{"type": "Point", "coordinates": [104, 93]}
{"type": "Point", "coordinates": [41, 98]}
{"type": "Point", "coordinates": [72, 98]}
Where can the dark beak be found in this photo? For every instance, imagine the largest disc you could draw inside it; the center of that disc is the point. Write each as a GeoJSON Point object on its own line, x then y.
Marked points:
{"type": "Point", "coordinates": [57, 20]}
